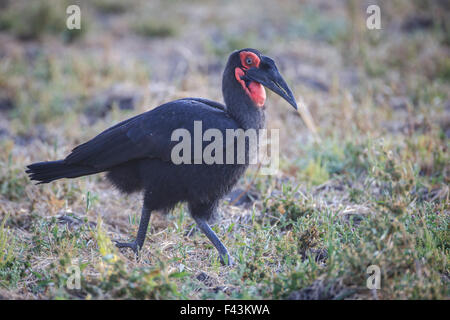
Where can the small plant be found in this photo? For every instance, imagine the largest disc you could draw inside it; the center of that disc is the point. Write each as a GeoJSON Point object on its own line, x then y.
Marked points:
{"type": "Point", "coordinates": [6, 244]}
{"type": "Point", "coordinates": [41, 17]}
{"type": "Point", "coordinates": [12, 177]}
{"type": "Point", "coordinates": [154, 29]}
{"type": "Point", "coordinates": [111, 6]}
{"type": "Point", "coordinates": [316, 172]}
{"type": "Point", "coordinates": [289, 206]}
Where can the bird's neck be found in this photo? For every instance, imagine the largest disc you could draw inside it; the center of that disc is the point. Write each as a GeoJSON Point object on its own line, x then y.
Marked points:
{"type": "Point", "coordinates": [247, 115]}
{"type": "Point", "coordinates": [240, 106]}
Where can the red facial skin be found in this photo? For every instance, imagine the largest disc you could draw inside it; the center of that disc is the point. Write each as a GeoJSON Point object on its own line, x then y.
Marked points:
{"type": "Point", "coordinates": [255, 90]}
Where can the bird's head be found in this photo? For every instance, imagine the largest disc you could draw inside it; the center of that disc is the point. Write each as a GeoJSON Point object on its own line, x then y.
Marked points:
{"type": "Point", "coordinates": [251, 72]}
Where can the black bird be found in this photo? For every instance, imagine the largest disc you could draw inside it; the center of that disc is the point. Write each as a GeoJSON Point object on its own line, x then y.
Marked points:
{"type": "Point", "coordinates": [136, 153]}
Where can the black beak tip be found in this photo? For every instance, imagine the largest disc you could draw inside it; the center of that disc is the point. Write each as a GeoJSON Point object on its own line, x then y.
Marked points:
{"type": "Point", "coordinates": [289, 97]}
{"type": "Point", "coordinates": [294, 104]}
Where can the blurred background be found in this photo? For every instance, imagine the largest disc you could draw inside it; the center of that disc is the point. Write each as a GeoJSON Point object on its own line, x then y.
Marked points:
{"type": "Point", "coordinates": [373, 141]}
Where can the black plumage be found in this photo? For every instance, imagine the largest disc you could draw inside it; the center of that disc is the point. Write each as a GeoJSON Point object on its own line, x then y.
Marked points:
{"type": "Point", "coordinates": [136, 153]}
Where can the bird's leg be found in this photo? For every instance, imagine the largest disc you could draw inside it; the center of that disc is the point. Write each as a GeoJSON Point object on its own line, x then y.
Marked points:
{"type": "Point", "coordinates": [137, 244]}
{"type": "Point", "coordinates": [224, 256]}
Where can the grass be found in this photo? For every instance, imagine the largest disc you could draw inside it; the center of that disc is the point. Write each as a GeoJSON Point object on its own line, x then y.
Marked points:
{"type": "Point", "coordinates": [153, 29]}
{"type": "Point", "coordinates": [6, 245]}
{"type": "Point", "coordinates": [111, 6]}
{"type": "Point", "coordinates": [42, 18]}
{"type": "Point", "coordinates": [370, 189]}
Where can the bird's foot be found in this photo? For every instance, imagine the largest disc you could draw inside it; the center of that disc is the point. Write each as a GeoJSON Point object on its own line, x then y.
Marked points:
{"type": "Point", "coordinates": [226, 259]}
{"type": "Point", "coordinates": [132, 245]}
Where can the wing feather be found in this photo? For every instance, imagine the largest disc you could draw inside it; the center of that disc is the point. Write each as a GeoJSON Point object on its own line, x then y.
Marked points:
{"type": "Point", "coordinates": [147, 135]}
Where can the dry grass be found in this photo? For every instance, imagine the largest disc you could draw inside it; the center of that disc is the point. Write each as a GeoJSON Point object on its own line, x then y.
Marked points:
{"type": "Point", "coordinates": [370, 186]}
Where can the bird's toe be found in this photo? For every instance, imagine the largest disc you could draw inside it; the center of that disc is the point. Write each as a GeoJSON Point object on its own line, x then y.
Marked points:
{"type": "Point", "coordinates": [226, 260]}
{"type": "Point", "coordinates": [132, 245]}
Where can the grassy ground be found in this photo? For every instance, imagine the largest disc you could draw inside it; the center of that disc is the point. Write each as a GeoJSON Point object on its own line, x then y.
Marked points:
{"type": "Point", "coordinates": [370, 188]}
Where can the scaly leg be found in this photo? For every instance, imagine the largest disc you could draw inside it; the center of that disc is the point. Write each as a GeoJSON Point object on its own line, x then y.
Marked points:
{"type": "Point", "coordinates": [224, 256]}
{"type": "Point", "coordinates": [142, 231]}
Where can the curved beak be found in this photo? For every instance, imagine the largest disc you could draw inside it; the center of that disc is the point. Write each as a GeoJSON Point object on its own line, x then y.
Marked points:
{"type": "Point", "coordinates": [268, 75]}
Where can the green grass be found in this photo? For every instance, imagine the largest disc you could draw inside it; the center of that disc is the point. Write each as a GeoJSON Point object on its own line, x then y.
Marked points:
{"type": "Point", "coordinates": [42, 17]}
{"type": "Point", "coordinates": [152, 28]}
{"type": "Point", "coordinates": [111, 6]}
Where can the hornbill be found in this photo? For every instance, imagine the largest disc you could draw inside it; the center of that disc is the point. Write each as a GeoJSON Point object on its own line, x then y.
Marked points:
{"type": "Point", "coordinates": [136, 153]}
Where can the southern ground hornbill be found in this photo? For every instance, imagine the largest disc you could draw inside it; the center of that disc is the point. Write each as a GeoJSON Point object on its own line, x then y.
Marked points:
{"type": "Point", "coordinates": [136, 153]}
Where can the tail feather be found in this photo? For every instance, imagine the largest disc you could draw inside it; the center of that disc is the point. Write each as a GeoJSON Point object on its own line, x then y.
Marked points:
{"type": "Point", "coordinates": [45, 172]}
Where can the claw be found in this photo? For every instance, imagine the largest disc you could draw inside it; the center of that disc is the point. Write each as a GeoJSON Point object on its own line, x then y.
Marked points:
{"type": "Point", "coordinates": [226, 260]}
{"type": "Point", "coordinates": [132, 245]}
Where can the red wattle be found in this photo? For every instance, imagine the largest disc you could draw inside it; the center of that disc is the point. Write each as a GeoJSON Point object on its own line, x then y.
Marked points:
{"type": "Point", "coordinates": [257, 93]}
{"type": "Point", "coordinates": [255, 90]}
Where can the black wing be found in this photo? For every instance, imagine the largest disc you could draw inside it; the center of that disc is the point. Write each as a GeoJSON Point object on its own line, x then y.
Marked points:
{"type": "Point", "coordinates": [208, 102]}
{"type": "Point", "coordinates": [148, 135]}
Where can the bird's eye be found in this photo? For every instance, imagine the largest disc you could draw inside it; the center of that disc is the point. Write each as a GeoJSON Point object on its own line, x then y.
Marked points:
{"type": "Point", "coordinates": [249, 61]}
